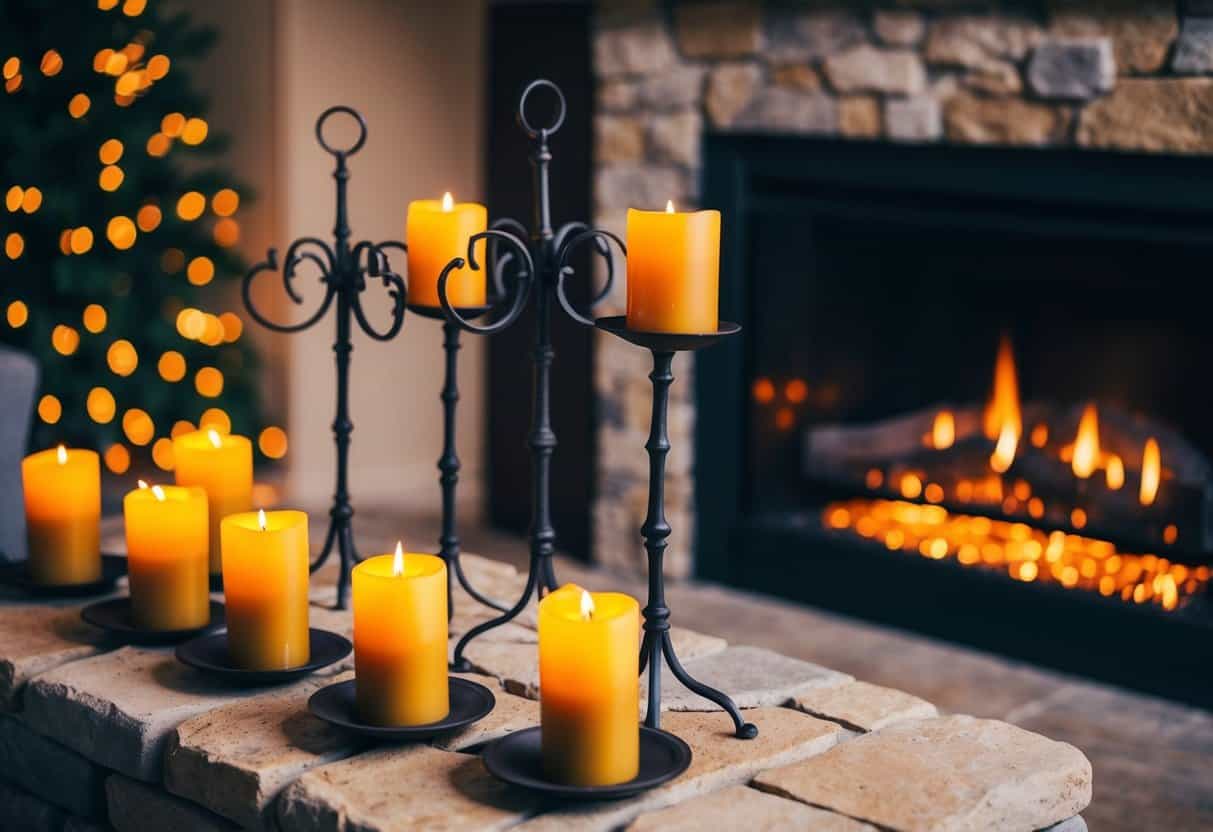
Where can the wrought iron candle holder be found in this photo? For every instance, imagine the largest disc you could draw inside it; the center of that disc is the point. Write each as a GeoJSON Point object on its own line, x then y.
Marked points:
{"type": "Point", "coordinates": [523, 263]}
{"type": "Point", "coordinates": [655, 530]}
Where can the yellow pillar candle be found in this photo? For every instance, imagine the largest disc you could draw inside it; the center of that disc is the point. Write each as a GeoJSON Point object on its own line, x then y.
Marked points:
{"type": "Point", "coordinates": [673, 270]}
{"type": "Point", "coordinates": [166, 548]}
{"type": "Point", "coordinates": [400, 639]}
{"type": "Point", "coordinates": [63, 515]}
{"type": "Point", "coordinates": [589, 687]}
{"type": "Point", "coordinates": [265, 578]}
{"type": "Point", "coordinates": [437, 232]}
{"type": "Point", "coordinates": [221, 465]}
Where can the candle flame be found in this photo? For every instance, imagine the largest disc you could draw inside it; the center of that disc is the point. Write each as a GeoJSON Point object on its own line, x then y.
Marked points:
{"type": "Point", "coordinates": [142, 484]}
{"type": "Point", "coordinates": [1151, 472]}
{"type": "Point", "coordinates": [587, 605]}
{"type": "Point", "coordinates": [213, 435]}
{"type": "Point", "coordinates": [943, 431]}
{"type": "Point", "coordinates": [448, 202]}
{"type": "Point", "coordinates": [669, 206]}
{"type": "Point", "coordinates": [398, 561]}
{"type": "Point", "coordinates": [159, 492]}
{"type": "Point", "coordinates": [261, 519]}
{"type": "Point", "coordinates": [61, 453]}
{"type": "Point", "coordinates": [1086, 444]}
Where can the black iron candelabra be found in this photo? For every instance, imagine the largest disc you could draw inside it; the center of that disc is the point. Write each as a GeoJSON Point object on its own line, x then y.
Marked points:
{"type": "Point", "coordinates": [523, 263]}
{"type": "Point", "coordinates": [343, 270]}
{"type": "Point", "coordinates": [656, 529]}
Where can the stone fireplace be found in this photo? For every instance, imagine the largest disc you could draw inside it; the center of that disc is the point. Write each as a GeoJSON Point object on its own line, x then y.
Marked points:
{"type": "Point", "coordinates": [1083, 75]}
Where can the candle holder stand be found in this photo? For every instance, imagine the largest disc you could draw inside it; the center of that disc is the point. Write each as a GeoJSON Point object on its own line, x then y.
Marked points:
{"type": "Point", "coordinates": [655, 530]}
{"type": "Point", "coordinates": [343, 270]}
{"type": "Point", "coordinates": [525, 263]}
{"type": "Point", "coordinates": [336, 704]}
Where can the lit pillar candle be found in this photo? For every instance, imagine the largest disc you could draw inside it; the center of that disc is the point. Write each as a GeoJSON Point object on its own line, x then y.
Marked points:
{"type": "Point", "coordinates": [265, 579]}
{"type": "Point", "coordinates": [221, 465]}
{"type": "Point", "coordinates": [437, 232]}
{"type": "Point", "coordinates": [673, 270]}
{"type": "Point", "coordinates": [166, 548]}
{"type": "Point", "coordinates": [63, 515]}
{"type": "Point", "coordinates": [589, 688]}
{"type": "Point", "coordinates": [400, 639]}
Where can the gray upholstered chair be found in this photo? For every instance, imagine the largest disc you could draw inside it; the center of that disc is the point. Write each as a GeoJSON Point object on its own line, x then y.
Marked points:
{"type": "Point", "coordinates": [18, 384]}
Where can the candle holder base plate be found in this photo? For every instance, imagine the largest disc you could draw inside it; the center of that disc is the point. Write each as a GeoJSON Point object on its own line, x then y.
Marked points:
{"type": "Point", "coordinates": [517, 759]}
{"type": "Point", "coordinates": [336, 705]}
{"type": "Point", "coordinates": [117, 619]}
{"type": "Point", "coordinates": [666, 341]}
{"type": "Point", "coordinates": [209, 654]}
{"type": "Point", "coordinates": [17, 575]}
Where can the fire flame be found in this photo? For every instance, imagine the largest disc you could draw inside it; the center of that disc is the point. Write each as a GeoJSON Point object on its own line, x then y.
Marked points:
{"type": "Point", "coordinates": [448, 202]}
{"type": "Point", "coordinates": [158, 492]}
{"type": "Point", "coordinates": [213, 435]}
{"type": "Point", "coordinates": [398, 560]}
{"type": "Point", "coordinates": [1086, 444]}
{"type": "Point", "coordinates": [1003, 408]}
{"type": "Point", "coordinates": [261, 519]}
{"type": "Point", "coordinates": [61, 455]}
{"type": "Point", "coordinates": [587, 605]}
{"type": "Point", "coordinates": [1004, 451]}
{"type": "Point", "coordinates": [943, 431]}
{"type": "Point", "coordinates": [1114, 468]}
{"type": "Point", "coordinates": [1151, 472]}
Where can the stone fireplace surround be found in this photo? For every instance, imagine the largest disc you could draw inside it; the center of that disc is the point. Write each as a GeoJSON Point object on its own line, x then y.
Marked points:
{"type": "Point", "coordinates": [1100, 74]}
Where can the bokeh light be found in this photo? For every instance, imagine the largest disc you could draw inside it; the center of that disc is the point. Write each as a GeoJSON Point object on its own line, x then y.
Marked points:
{"type": "Point", "coordinates": [134, 8]}
{"type": "Point", "coordinates": [128, 84]}
{"type": "Point", "coordinates": [190, 323]}
{"type": "Point", "coordinates": [226, 232]}
{"type": "Point", "coordinates": [138, 426]}
{"type": "Point", "coordinates": [201, 271]}
{"type": "Point", "coordinates": [158, 66]}
{"type": "Point", "coordinates": [191, 205]}
{"type": "Point", "coordinates": [13, 197]}
{"type": "Point", "coordinates": [181, 427]}
{"type": "Point", "coordinates": [115, 62]}
{"type": "Point", "coordinates": [95, 318]}
{"type": "Point", "coordinates": [194, 132]}
{"type": "Point", "coordinates": [272, 442]}
{"type": "Point", "coordinates": [172, 124]}
{"type": "Point", "coordinates": [162, 453]}
{"type": "Point", "coordinates": [171, 366]}
{"type": "Point", "coordinates": [110, 151]}
{"type": "Point", "coordinates": [17, 314]}
{"type": "Point", "coordinates": [148, 218]}
{"type": "Point", "coordinates": [110, 178]}
{"type": "Point", "coordinates": [100, 405]}
{"type": "Point", "coordinates": [212, 331]}
{"type": "Point", "coordinates": [52, 63]}
{"type": "Point", "coordinates": [81, 239]}
{"type": "Point", "coordinates": [225, 202]}
{"type": "Point", "coordinates": [32, 200]}
{"type": "Point", "coordinates": [208, 382]}
{"type": "Point", "coordinates": [11, 67]}
{"type": "Point", "coordinates": [65, 339]}
{"type": "Point", "coordinates": [49, 409]}
{"type": "Point", "coordinates": [78, 105]}
{"type": "Point", "coordinates": [215, 418]}
{"type": "Point", "coordinates": [122, 357]}
{"type": "Point", "coordinates": [172, 261]}
{"type": "Point", "coordinates": [232, 326]}
{"type": "Point", "coordinates": [14, 245]}
{"type": "Point", "coordinates": [117, 458]}
{"type": "Point", "coordinates": [158, 145]}
{"type": "Point", "coordinates": [120, 231]}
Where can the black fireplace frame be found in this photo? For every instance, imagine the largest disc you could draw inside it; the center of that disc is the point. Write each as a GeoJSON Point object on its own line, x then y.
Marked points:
{"type": "Point", "coordinates": [1094, 193]}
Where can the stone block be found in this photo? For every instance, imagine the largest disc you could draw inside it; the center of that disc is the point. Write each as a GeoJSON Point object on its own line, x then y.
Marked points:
{"type": "Point", "coordinates": [410, 787]}
{"type": "Point", "coordinates": [1194, 49]}
{"type": "Point", "coordinates": [917, 119]}
{"type": "Point", "coordinates": [676, 138]}
{"type": "Point", "coordinates": [954, 772]}
{"type": "Point", "coordinates": [119, 709]}
{"type": "Point", "coordinates": [1072, 68]}
{"type": "Point", "coordinates": [35, 639]}
{"type": "Point", "coordinates": [20, 811]}
{"type": "Point", "coordinates": [752, 676]}
{"type": "Point", "coordinates": [740, 807]}
{"type": "Point", "coordinates": [899, 28]}
{"type": "Point", "coordinates": [47, 770]}
{"type": "Point", "coordinates": [781, 109]}
{"type": "Point", "coordinates": [795, 36]}
{"type": "Point", "coordinates": [1165, 114]}
{"type": "Point", "coordinates": [859, 116]}
{"type": "Point", "coordinates": [510, 714]}
{"type": "Point", "coordinates": [618, 139]}
{"type": "Point", "coordinates": [976, 120]}
{"type": "Point", "coordinates": [860, 706]}
{"type": "Point", "coordinates": [676, 89]}
{"type": "Point", "coordinates": [138, 807]}
{"type": "Point", "coordinates": [1142, 31]}
{"type": "Point", "coordinates": [731, 88]}
{"type": "Point", "coordinates": [870, 69]}
{"type": "Point", "coordinates": [639, 48]}
{"type": "Point", "coordinates": [994, 77]}
{"type": "Point", "coordinates": [720, 760]}
{"type": "Point", "coordinates": [797, 76]}
{"type": "Point", "coordinates": [618, 187]}
{"type": "Point", "coordinates": [972, 40]}
{"type": "Point", "coordinates": [617, 96]}
{"type": "Point", "coordinates": [235, 759]}
{"type": "Point", "coordinates": [718, 29]}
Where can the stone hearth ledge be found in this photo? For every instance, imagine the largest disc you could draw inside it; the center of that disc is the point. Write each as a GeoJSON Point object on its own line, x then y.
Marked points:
{"type": "Point", "coordinates": [38, 638]}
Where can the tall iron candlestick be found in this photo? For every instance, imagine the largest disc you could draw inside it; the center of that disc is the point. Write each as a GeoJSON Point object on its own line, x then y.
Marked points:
{"type": "Point", "coordinates": [344, 276]}
{"type": "Point", "coordinates": [655, 529]}
{"type": "Point", "coordinates": [539, 267]}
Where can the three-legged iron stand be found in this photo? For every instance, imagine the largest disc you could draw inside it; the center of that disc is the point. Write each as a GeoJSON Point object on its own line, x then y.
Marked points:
{"type": "Point", "coordinates": [655, 529]}
{"type": "Point", "coordinates": [534, 262]}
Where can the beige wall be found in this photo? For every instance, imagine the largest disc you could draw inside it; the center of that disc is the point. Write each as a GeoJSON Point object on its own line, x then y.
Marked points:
{"type": "Point", "coordinates": [417, 78]}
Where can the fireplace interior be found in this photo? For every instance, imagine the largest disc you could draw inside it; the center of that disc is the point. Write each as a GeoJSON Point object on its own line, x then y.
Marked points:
{"type": "Point", "coordinates": [972, 399]}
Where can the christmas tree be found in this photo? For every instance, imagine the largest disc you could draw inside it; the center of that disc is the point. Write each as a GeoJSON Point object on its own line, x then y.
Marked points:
{"type": "Point", "coordinates": [118, 231]}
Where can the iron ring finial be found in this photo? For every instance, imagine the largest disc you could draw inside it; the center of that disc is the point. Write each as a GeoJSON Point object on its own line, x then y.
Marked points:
{"type": "Point", "coordinates": [524, 122]}
{"type": "Point", "coordinates": [354, 114]}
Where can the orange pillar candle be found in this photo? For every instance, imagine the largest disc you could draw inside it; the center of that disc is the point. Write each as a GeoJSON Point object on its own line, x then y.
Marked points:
{"type": "Point", "coordinates": [222, 465]}
{"type": "Point", "coordinates": [265, 579]}
{"type": "Point", "coordinates": [589, 687]}
{"type": "Point", "coordinates": [400, 639]}
{"type": "Point", "coordinates": [166, 548]}
{"type": "Point", "coordinates": [673, 270]}
{"type": "Point", "coordinates": [63, 515]}
{"type": "Point", "coordinates": [437, 232]}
